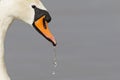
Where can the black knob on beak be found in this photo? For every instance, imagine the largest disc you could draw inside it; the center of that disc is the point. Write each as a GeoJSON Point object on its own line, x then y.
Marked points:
{"type": "Point", "coordinates": [39, 13]}
{"type": "Point", "coordinates": [47, 16]}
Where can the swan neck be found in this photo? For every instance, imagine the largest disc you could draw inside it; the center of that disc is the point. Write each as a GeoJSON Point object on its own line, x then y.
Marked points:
{"type": "Point", "coordinates": [4, 24]}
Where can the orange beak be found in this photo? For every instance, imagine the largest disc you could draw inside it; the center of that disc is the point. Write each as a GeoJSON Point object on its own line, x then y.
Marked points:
{"type": "Point", "coordinates": [42, 27]}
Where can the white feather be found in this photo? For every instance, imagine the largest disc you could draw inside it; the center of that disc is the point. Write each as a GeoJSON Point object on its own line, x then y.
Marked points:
{"type": "Point", "coordinates": [9, 10]}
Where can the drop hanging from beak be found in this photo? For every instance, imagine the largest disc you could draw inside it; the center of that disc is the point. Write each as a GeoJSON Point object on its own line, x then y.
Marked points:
{"type": "Point", "coordinates": [42, 27]}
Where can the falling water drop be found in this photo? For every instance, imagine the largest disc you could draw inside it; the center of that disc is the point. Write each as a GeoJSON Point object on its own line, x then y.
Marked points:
{"type": "Point", "coordinates": [53, 73]}
{"type": "Point", "coordinates": [54, 62]}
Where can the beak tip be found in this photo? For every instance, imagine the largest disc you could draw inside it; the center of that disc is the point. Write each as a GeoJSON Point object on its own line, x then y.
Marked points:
{"type": "Point", "coordinates": [54, 44]}
{"type": "Point", "coordinates": [52, 39]}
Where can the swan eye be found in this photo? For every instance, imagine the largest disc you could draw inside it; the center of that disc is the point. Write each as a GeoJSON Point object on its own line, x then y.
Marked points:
{"type": "Point", "coordinates": [33, 6]}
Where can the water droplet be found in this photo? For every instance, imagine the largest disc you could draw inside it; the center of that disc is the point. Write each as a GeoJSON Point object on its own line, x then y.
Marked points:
{"type": "Point", "coordinates": [53, 73]}
{"type": "Point", "coordinates": [54, 62]}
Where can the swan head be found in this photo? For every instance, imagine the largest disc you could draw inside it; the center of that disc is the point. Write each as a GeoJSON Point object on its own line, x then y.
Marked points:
{"type": "Point", "coordinates": [34, 13]}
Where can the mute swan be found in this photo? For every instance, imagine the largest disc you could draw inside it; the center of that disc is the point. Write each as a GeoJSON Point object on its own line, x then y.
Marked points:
{"type": "Point", "coordinates": [31, 12]}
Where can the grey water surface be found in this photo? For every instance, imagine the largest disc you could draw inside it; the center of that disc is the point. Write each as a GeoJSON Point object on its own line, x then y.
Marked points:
{"type": "Point", "coordinates": [88, 36]}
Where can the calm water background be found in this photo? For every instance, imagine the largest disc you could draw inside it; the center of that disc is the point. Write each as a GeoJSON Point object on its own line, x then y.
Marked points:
{"type": "Point", "coordinates": [88, 36]}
